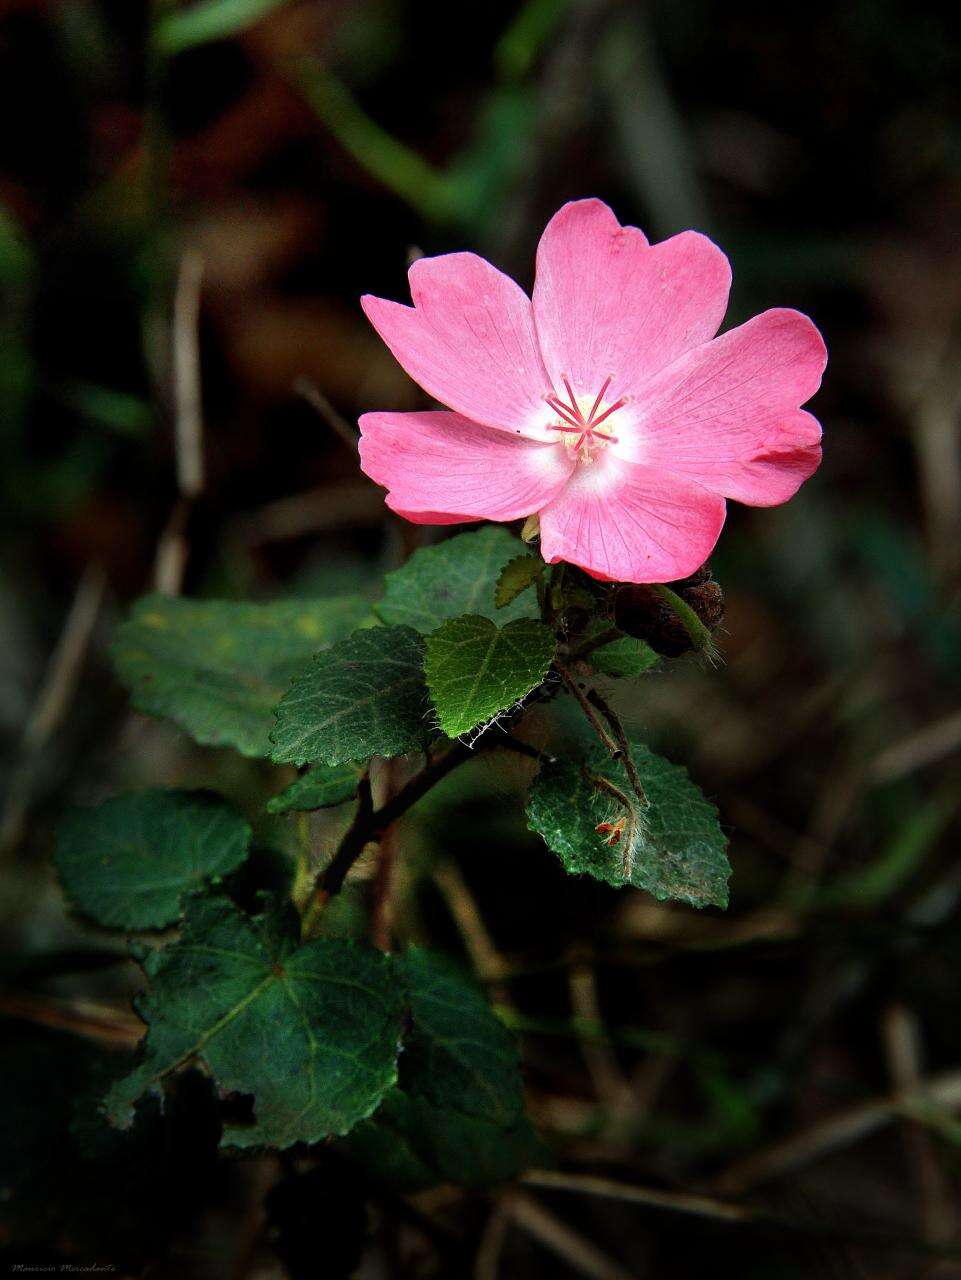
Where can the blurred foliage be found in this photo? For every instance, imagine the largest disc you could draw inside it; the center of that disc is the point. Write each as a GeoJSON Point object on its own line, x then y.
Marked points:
{"type": "Point", "coordinates": [304, 150]}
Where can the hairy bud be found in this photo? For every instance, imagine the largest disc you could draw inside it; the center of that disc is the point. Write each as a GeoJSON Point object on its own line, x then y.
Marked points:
{"type": "Point", "coordinates": [648, 612]}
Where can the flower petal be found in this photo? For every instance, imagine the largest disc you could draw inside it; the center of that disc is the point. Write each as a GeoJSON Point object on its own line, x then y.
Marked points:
{"type": "Point", "coordinates": [469, 341]}
{"type": "Point", "coordinates": [727, 414]}
{"type": "Point", "coordinates": [608, 303]}
{"type": "Point", "coordinates": [624, 522]}
{"type": "Point", "coordinates": [441, 468]}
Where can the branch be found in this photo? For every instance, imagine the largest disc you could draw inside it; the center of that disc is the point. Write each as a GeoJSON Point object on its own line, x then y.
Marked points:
{"type": "Point", "coordinates": [607, 1188]}
{"type": "Point", "coordinates": [522, 748]}
{"type": "Point", "coordinates": [369, 825]}
{"type": "Point", "coordinates": [620, 737]}
{"type": "Point", "coordinates": [52, 702]}
{"type": "Point", "coordinates": [597, 725]}
{"type": "Point", "coordinates": [838, 1131]}
{"type": "Point", "coordinates": [581, 1254]}
{"type": "Point", "coordinates": [336, 421]}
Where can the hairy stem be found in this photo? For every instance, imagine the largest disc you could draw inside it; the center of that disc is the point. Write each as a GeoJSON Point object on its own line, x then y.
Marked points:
{"type": "Point", "coordinates": [634, 820]}
{"type": "Point", "coordinates": [593, 720]}
{"type": "Point", "coordinates": [620, 737]}
{"type": "Point", "coordinates": [698, 634]}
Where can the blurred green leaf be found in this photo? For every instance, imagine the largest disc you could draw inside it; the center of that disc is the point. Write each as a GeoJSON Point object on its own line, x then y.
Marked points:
{"type": "Point", "coordinates": [310, 1031]}
{"type": "Point", "coordinates": [18, 476]}
{"type": "Point", "coordinates": [680, 851]}
{"type": "Point", "coordinates": [485, 171]}
{"type": "Point", "coordinates": [217, 668]}
{"type": "Point", "coordinates": [734, 1118]}
{"type": "Point", "coordinates": [901, 858]}
{"type": "Point", "coordinates": [470, 191]}
{"type": "Point", "coordinates": [454, 577]}
{"type": "Point", "coordinates": [365, 696]}
{"type": "Point", "coordinates": [398, 167]}
{"type": "Point", "coordinates": [321, 787]}
{"type": "Point", "coordinates": [532, 26]}
{"type": "Point", "coordinates": [131, 862]}
{"type": "Point", "coordinates": [126, 414]}
{"type": "Point", "coordinates": [476, 670]}
{"type": "Point", "coordinates": [16, 259]}
{"type": "Point", "coordinates": [209, 20]}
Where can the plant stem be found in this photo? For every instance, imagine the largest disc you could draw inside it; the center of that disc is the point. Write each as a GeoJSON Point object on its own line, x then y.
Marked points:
{"type": "Point", "coordinates": [542, 603]}
{"type": "Point", "coordinates": [369, 825]}
{"type": "Point", "coordinates": [619, 749]}
{"type": "Point", "coordinates": [523, 748]}
{"type": "Point", "coordinates": [381, 907]}
{"type": "Point", "coordinates": [598, 641]}
{"type": "Point", "coordinates": [633, 820]}
{"type": "Point", "coordinates": [627, 760]}
{"type": "Point", "coordinates": [302, 876]}
{"type": "Point", "coordinates": [596, 724]}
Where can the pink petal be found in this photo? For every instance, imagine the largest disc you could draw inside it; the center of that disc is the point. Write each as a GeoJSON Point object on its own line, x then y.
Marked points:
{"type": "Point", "coordinates": [433, 517]}
{"type": "Point", "coordinates": [469, 341]}
{"type": "Point", "coordinates": [624, 522]}
{"type": "Point", "coordinates": [441, 468]}
{"type": "Point", "coordinates": [727, 414]}
{"type": "Point", "coordinates": [607, 302]}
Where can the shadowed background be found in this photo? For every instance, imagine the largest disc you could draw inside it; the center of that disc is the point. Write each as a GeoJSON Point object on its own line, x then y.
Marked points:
{"type": "Point", "coordinates": [192, 199]}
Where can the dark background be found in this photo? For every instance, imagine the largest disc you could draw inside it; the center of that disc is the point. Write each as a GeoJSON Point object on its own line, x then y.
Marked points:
{"type": "Point", "coordinates": [294, 165]}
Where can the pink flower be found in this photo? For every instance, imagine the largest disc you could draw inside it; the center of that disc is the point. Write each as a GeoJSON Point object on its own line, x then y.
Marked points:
{"type": "Point", "coordinates": [606, 405]}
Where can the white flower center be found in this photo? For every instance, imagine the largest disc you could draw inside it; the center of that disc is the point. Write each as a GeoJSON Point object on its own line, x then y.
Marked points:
{"type": "Point", "coordinates": [585, 421]}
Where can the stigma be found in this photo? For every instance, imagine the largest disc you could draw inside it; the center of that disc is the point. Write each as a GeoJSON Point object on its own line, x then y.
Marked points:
{"type": "Point", "coordinates": [586, 429]}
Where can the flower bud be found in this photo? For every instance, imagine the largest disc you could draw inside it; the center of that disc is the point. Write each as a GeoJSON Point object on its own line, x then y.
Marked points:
{"type": "Point", "coordinates": [642, 611]}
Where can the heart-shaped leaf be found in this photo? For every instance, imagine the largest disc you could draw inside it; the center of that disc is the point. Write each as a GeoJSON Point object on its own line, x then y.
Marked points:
{"type": "Point", "coordinates": [476, 669]}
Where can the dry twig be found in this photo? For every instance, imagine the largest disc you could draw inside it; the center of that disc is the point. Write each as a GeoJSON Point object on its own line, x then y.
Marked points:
{"type": "Point", "coordinates": [576, 1251]}
{"type": "Point", "coordinates": [902, 1039]}
{"type": "Point", "coordinates": [836, 1132]}
{"type": "Point", "coordinates": [607, 1188]}
{"type": "Point", "coordinates": [53, 700]}
{"type": "Point", "coordinates": [170, 561]}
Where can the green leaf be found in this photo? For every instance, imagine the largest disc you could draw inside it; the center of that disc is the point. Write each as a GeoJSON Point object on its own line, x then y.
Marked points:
{"type": "Point", "coordinates": [681, 851]}
{"type": "Point", "coordinates": [131, 862]}
{"type": "Point", "coordinates": [364, 697]}
{"type": "Point", "coordinates": [516, 576]}
{"type": "Point", "coordinates": [452, 578]}
{"type": "Point", "coordinates": [624, 657]}
{"type": "Point", "coordinates": [209, 20]}
{"type": "Point", "coordinates": [321, 787]}
{"type": "Point", "coordinates": [218, 669]}
{"type": "Point", "coordinates": [410, 1144]}
{"type": "Point", "coordinates": [475, 669]}
{"type": "Point", "coordinates": [386, 1146]}
{"type": "Point", "coordinates": [311, 1032]}
{"type": "Point", "coordinates": [457, 1113]}
{"type": "Point", "coordinates": [458, 1054]}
